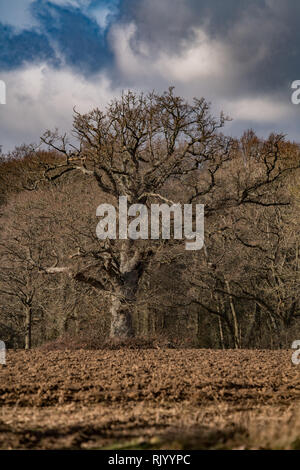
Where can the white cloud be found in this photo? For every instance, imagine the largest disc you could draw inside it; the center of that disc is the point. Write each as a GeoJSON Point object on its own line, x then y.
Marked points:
{"type": "Point", "coordinates": [204, 58]}
{"type": "Point", "coordinates": [101, 15]}
{"type": "Point", "coordinates": [72, 3]}
{"type": "Point", "coordinates": [262, 109]}
{"type": "Point", "coordinates": [128, 61]}
{"type": "Point", "coordinates": [40, 97]}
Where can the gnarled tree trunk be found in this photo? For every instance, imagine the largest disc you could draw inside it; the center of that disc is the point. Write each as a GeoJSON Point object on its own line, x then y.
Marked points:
{"type": "Point", "coordinates": [124, 295]}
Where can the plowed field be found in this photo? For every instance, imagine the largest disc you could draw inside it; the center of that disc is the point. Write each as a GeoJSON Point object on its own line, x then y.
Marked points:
{"type": "Point", "coordinates": [180, 399]}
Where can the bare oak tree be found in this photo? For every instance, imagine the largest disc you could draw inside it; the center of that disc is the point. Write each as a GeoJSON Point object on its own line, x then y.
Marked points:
{"type": "Point", "coordinates": [135, 148]}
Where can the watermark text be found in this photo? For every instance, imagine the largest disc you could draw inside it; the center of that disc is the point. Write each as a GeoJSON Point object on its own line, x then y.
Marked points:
{"type": "Point", "coordinates": [2, 353]}
{"type": "Point", "coordinates": [2, 92]}
{"type": "Point", "coordinates": [155, 223]}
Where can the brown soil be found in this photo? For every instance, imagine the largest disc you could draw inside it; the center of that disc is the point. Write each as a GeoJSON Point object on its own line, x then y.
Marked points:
{"type": "Point", "coordinates": [149, 399]}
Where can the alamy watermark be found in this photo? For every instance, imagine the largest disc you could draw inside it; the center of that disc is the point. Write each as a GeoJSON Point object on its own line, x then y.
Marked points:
{"type": "Point", "coordinates": [153, 224]}
{"type": "Point", "coordinates": [296, 354]}
{"type": "Point", "coordinates": [2, 92]}
{"type": "Point", "coordinates": [2, 353]}
{"type": "Point", "coordinates": [295, 98]}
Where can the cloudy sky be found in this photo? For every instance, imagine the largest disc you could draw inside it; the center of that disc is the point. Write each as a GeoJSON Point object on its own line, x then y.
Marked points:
{"type": "Point", "coordinates": [242, 55]}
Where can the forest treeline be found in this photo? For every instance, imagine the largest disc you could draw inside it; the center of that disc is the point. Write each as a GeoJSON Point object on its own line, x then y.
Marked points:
{"type": "Point", "coordinates": [58, 280]}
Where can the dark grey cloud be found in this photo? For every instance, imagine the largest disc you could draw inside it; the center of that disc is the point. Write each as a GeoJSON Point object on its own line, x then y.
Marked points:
{"type": "Point", "coordinates": [262, 35]}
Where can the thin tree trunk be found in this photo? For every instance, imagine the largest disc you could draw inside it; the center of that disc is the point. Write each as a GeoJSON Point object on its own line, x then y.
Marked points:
{"type": "Point", "coordinates": [254, 336]}
{"type": "Point", "coordinates": [221, 331]}
{"type": "Point", "coordinates": [235, 320]}
{"type": "Point", "coordinates": [28, 327]}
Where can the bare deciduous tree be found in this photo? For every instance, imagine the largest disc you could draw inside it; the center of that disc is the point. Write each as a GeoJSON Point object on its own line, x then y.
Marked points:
{"type": "Point", "coordinates": [133, 149]}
